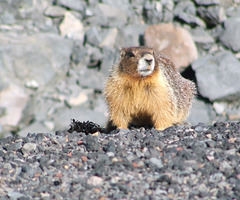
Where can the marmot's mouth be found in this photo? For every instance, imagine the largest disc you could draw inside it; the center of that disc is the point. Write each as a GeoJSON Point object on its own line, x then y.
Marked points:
{"type": "Point", "coordinates": [145, 70]}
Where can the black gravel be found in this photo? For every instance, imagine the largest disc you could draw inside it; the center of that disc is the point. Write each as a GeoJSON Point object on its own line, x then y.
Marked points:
{"type": "Point", "coordinates": [182, 162]}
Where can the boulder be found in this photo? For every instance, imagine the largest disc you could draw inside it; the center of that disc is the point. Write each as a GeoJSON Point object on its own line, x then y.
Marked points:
{"type": "Point", "coordinates": [110, 38]}
{"type": "Point", "coordinates": [201, 36]}
{"type": "Point", "coordinates": [207, 2]}
{"type": "Point", "coordinates": [110, 57]}
{"type": "Point", "coordinates": [173, 41]}
{"type": "Point", "coordinates": [38, 57]}
{"type": "Point", "coordinates": [231, 33]}
{"type": "Point", "coordinates": [218, 76]}
{"type": "Point", "coordinates": [130, 35]}
{"type": "Point", "coordinates": [86, 79]}
{"type": "Point", "coordinates": [55, 11]}
{"type": "Point", "coordinates": [71, 27]}
{"type": "Point", "coordinates": [185, 11]}
{"type": "Point", "coordinates": [201, 112]}
{"type": "Point", "coordinates": [94, 36]}
{"type": "Point", "coordinates": [153, 12]}
{"type": "Point", "coordinates": [212, 15]}
{"type": "Point", "coordinates": [72, 4]}
{"type": "Point", "coordinates": [108, 16]}
{"type": "Point", "coordinates": [13, 99]}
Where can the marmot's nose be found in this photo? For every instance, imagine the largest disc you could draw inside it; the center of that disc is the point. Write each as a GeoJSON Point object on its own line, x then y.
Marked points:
{"type": "Point", "coordinates": [149, 61]}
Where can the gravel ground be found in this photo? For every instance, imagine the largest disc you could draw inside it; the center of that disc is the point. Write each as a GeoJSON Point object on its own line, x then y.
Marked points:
{"type": "Point", "coordinates": [182, 162]}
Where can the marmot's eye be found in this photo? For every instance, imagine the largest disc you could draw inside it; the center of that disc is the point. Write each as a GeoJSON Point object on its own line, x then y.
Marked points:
{"type": "Point", "coordinates": [130, 54]}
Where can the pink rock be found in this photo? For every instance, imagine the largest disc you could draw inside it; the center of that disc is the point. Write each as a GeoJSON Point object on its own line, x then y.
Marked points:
{"type": "Point", "coordinates": [95, 181]}
{"type": "Point", "coordinates": [173, 41]}
{"type": "Point", "coordinates": [14, 100]}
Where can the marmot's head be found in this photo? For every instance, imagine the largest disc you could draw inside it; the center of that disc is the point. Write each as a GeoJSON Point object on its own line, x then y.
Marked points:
{"type": "Point", "coordinates": [137, 61]}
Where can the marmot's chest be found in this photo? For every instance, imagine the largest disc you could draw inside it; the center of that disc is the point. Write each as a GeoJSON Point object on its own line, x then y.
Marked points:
{"type": "Point", "coordinates": [140, 96]}
{"type": "Point", "coordinates": [151, 93]}
{"type": "Point", "coordinates": [140, 90]}
{"type": "Point", "coordinates": [141, 93]}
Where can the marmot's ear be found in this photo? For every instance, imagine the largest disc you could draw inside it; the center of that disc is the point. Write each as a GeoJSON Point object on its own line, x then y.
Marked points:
{"type": "Point", "coordinates": [122, 52]}
{"type": "Point", "coordinates": [152, 51]}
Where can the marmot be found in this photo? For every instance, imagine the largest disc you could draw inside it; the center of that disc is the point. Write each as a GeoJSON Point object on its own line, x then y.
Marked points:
{"type": "Point", "coordinates": [145, 90]}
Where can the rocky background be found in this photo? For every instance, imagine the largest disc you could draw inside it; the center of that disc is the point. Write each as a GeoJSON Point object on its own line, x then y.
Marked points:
{"type": "Point", "coordinates": [55, 56]}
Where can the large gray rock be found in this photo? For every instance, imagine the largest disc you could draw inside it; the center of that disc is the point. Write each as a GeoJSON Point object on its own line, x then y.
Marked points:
{"type": "Point", "coordinates": [223, 3]}
{"type": "Point", "coordinates": [233, 12]}
{"type": "Point", "coordinates": [130, 35]}
{"type": "Point", "coordinates": [150, 10]}
{"type": "Point", "coordinates": [80, 54]}
{"type": "Point", "coordinates": [91, 78]}
{"type": "Point", "coordinates": [121, 4]}
{"type": "Point", "coordinates": [207, 2]}
{"type": "Point", "coordinates": [26, 14]}
{"type": "Point", "coordinates": [108, 16]}
{"type": "Point", "coordinates": [38, 108]}
{"type": "Point", "coordinates": [218, 76]}
{"type": "Point", "coordinates": [201, 36]}
{"type": "Point", "coordinates": [212, 15]}
{"type": "Point", "coordinates": [71, 27]}
{"type": "Point", "coordinates": [110, 38]}
{"type": "Point", "coordinates": [230, 36]}
{"type": "Point", "coordinates": [101, 106]}
{"type": "Point", "coordinates": [39, 57]}
{"type": "Point", "coordinates": [110, 57]}
{"type": "Point", "coordinates": [55, 11]}
{"type": "Point", "coordinates": [186, 11]}
{"type": "Point", "coordinates": [77, 97]}
{"type": "Point", "coordinates": [201, 112]}
{"type": "Point", "coordinates": [94, 36]}
{"type": "Point", "coordinates": [78, 5]}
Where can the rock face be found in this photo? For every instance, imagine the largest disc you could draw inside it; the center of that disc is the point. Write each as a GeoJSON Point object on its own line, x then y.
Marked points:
{"type": "Point", "coordinates": [38, 57]}
{"type": "Point", "coordinates": [186, 11]}
{"type": "Point", "coordinates": [173, 41]}
{"type": "Point", "coordinates": [218, 76]}
{"type": "Point", "coordinates": [230, 36]}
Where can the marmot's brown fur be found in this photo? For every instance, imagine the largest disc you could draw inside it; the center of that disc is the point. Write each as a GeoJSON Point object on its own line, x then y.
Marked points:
{"type": "Point", "coordinates": [145, 89]}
